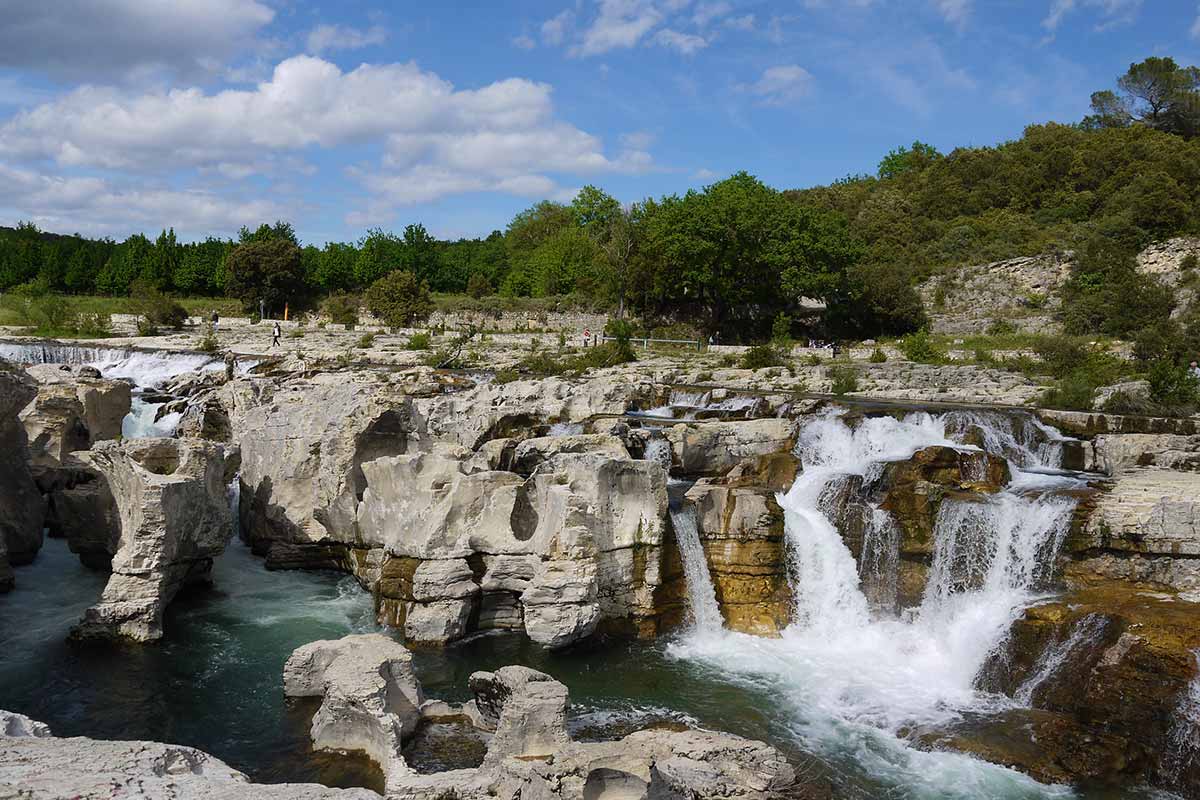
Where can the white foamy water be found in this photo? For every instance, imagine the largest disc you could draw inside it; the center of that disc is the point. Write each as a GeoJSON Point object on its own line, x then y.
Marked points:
{"type": "Point", "coordinates": [858, 679]}
{"type": "Point", "coordinates": [706, 615]}
{"type": "Point", "coordinates": [1052, 659]}
{"type": "Point", "coordinates": [1183, 747]}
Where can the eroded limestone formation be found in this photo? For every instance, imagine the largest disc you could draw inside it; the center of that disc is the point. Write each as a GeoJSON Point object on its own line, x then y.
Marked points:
{"type": "Point", "coordinates": [173, 517]}
{"type": "Point", "coordinates": [371, 702]}
{"type": "Point", "coordinates": [21, 507]}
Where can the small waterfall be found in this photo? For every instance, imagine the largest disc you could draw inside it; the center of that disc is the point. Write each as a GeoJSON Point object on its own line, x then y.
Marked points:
{"type": "Point", "coordinates": [1086, 631]}
{"type": "Point", "coordinates": [1183, 746]}
{"type": "Point", "coordinates": [706, 614]}
{"type": "Point", "coordinates": [1020, 437]}
{"type": "Point", "coordinates": [879, 564]}
{"type": "Point", "coordinates": [658, 449]}
{"type": "Point", "coordinates": [142, 420]}
{"type": "Point", "coordinates": [565, 429]}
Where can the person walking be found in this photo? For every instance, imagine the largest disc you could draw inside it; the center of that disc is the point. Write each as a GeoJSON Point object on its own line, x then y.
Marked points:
{"type": "Point", "coordinates": [215, 320]}
{"type": "Point", "coordinates": [275, 334]}
{"type": "Point", "coordinates": [1194, 369]}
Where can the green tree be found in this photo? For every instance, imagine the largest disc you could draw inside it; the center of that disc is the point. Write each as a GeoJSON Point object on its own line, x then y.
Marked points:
{"type": "Point", "coordinates": [904, 160]}
{"type": "Point", "coordinates": [335, 267]}
{"type": "Point", "coordinates": [1156, 92]}
{"type": "Point", "coordinates": [399, 299]}
{"type": "Point", "coordinates": [378, 254]}
{"type": "Point", "coordinates": [419, 253]}
{"type": "Point", "coordinates": [269, 271]}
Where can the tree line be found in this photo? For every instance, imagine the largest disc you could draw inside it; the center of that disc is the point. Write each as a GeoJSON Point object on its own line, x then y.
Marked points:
{"type": "Point", "coordinates": [738, 257]}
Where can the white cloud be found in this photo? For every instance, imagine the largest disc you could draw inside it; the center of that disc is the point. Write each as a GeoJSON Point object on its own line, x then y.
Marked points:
{"type": "Point", "coordinates": [437, 139]}
{"type": "Point", "coordinates": [325, 38]}
{"type": "Point", "coordinates": [127, 39]}
{"type": "Point", "coordinates": [95, 206]}
{"type": "Point", "coordinates": [704, 174]}
{"type": "Point", "coordinates": [620, 24]}
{"type": "Point", "coordinates": [1111, 13]}
{"type": "Point", "coordinates": [555, 29]}
{"type": "Point", "coordinates": [782, 84]}
{"type": "Point", "coordinates": [955, 12]}
{"type": "Point", "coordinates": [685, 43]}
{"type": "Point", "coordinates": [524, 41]}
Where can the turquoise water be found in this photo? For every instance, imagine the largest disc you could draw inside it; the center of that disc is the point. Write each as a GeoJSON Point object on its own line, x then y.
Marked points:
{"type": "Point", "coordinates": [215, 683]}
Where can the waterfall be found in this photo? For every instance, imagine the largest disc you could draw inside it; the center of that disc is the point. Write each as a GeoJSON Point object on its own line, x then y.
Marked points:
{"type": "Point", "coordinates": [855, 677]}
{"type": "Point", "coordinates": [565, 429]}
{"type": "Point", "coordinates": [659, 449]}
{"type": "Point", "coordinates": [1020, 437]}
{"type": "Point", "coordinates": [1183, 745]}
{"type": "Point", "coordinates": [1086, 631]}
{"type": "Point", "coordinates": [706, 615]}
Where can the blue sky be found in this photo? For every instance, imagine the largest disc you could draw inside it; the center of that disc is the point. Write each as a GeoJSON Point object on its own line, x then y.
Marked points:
{"type": "Point", "coordinates": [119, 116]}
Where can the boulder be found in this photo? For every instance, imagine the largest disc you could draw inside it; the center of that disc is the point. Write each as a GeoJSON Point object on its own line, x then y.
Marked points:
{"type": "Point", "coordinates": [371, 699]}
{"type": "Point", "coordinates": [104, 402]}
{"type": "Point", "coordinates": [21, 508]}
{"type": "Point", "coordinates": [713, 448]}
{"type": "Point", "coordinates": [444, 595]}
{"type": "Point", "coordinates": [1127, 393]}
{"type": "Point", "coordinates": [174, 518]}
{"type": "Point", "coordinates": [561, 605]}
{"type": "Point", "coordinates": [1114, 454]}
{"type": "Point", "coordinates": [12, 724]}
{"type": "Point", "coordinates": [526, 710]}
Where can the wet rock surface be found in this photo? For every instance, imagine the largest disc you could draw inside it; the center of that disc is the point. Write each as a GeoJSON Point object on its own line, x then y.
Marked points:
{"type": "Point", "coordinates": [21, 508]}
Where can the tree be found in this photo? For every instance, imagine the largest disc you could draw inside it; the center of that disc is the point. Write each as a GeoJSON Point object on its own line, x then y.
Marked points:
{"type": "Point", "coordinates": [265, 233]}
{"type": "Point", "coordinates": [378, 254]}
{"type": "Point", "coordinates": [267, 271]}
{"type": "Point", "coordinates": [419, 253]}
{"type": "Point", "coordinates": [611, 228]}
{"type": "Point", "coordinates": [1156, 92]}
{"type": "Point", "coordinates": [399, 299]}
{"type": "Point", "coordinates": [335, 267]}
{"type": "Point", "coordinates": [903, 160]}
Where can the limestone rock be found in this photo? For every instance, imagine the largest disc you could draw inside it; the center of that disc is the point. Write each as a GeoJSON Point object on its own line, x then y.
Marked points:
{"type": "Point", "coordinates": [1145, 510]}
{"type": "Point", "coordinates": [532, 452]}
{"type": "Point", "coordinates": [713, 448]}
{"type": "Point", "coordinates": [371, 699]}
{"type": "Point", "coordinates": [1129, 391]}
{"type": "Point", "coordinates": [21, 507]}
{"type": "Point", "coordinates": [527, 710]}
{"type": "Point", "coordinates": [12, 724]}
{"type": "Point", "coordinates": [444, 596]}
{"type": "Point", "coordinates": [174, 519]}
{"type": "Point", "coordinates": [561, 604]}
{"type": "Point", "coordinates": [1116, 453]}
{"type": "Point", "coordinates": [104, 402]}
{"type": "Point", "coordinates": [87, 769]}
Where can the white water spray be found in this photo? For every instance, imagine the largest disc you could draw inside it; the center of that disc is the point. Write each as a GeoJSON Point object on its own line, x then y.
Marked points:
{"type": "Point", "coordinates": [1183, 746]}
{"type": "Point", "coordinates": [1086, 631]}
{"type": "Point", "coordinates": [706, 614]}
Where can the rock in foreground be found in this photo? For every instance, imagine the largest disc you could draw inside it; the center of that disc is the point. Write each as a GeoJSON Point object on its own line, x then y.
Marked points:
{"type": "Point", "coordinates": [21, 508]}
{"type": "Point", "coordinates": [371, 702]}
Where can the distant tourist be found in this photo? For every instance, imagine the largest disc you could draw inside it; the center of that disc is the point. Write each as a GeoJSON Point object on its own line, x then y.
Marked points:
{"type": "Point", "coordinates": [215, 320]}
{"type": "Point", "coordinates": [1194, 368]}
{"type": "Point", "coordinates": [275, 334]}
{"type": "Point", "coordinates": [230, 364]}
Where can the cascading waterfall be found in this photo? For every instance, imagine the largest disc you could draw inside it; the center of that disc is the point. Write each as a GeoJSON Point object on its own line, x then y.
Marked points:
{"type": "Point", "coordinates": [144, 368]}
{"type": "Point", "coordinates": [706, 615]}
{"type": "Point", "coordinates": [1183, 746]}
{"type": "Point", "coordinates": [857, 680]}
{"type": "Point", "coordinates": [1086, 631]}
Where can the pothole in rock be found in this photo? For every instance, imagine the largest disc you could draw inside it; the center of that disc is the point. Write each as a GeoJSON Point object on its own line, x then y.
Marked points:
{"type": "Point", "coordinates": [445, 745]}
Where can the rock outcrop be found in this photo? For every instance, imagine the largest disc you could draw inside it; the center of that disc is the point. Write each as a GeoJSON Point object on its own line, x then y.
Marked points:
{"type": "Point", "coordinates": [174, 518]}
{"type": "Point", "coordinates": [21, 507]}
{"type": "Point", "coordinates": [370, 698]}
{"type": "Point", "coordinates": [372, 703]}
{"type": "Point", "coordinates": [34, 764]}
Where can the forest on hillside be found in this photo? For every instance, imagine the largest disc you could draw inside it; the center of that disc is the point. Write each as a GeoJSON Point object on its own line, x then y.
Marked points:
{"type": "Point", "coordinates": [739, 256]}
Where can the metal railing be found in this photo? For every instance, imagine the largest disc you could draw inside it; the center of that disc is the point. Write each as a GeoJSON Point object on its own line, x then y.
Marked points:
{"type": "Point", "coordinates": [644, 341]}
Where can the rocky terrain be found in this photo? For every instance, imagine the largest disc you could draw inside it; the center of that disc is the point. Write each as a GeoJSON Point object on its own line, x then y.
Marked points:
{"type": "Point", "coordinates": [547, 508]}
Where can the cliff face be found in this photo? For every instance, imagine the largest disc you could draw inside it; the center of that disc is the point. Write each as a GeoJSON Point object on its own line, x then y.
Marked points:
{"type": "Point", "coordinates": [21, 507]}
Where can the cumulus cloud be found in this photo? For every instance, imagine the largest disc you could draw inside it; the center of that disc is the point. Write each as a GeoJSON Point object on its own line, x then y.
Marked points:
{"type": "Point", "coordinates": [98, 207]}
{"type": "Point", "coordinates": [782, 84]}
{"type": "Point", "coordinates": [325, 38]}
{"type": "Point", "coordinates": [436, 139]}
{"type": "Point", "coordinates": [555, 29]}
{"type": "Point", "coordinates": [709, 12]}
{"type": "Point", "coordinates": [742, 23]}
{"type": "Point", "coordinates": [123, 39]}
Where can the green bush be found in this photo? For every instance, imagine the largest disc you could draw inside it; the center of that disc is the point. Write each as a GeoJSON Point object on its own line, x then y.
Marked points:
{"type": "Point", "coordinates": [399, 299]}
{"type": "Point", "coordinates": [342, 309]}
{"type": "Point", "coordinates": [781, 331]}
{"type": "Point", "coordinates": [208, 344]}
{"type": "Point", "coordinates": [761, 357]}
{"type": "Point", "coordinates": [505, 376]}
{"type": "Point", "coordinates": [479, 286]}
{"type": "Point", "coordinates": [845, 380]}
{"type": "Point", "coordinates": [921, 348]}
{"type": "Point", "coordinates": [1173, 385]}
{"type": "Point", "coordinates": [98, 324]}
{"type": "Point", "coordinates": [418, 341]}
{"type": "Point", "coordinates": [878, 356]}
{"type": "Point", "coordinates": [1001, 327]}
{"type": "Point", "coordinates": [366, 341]}
{"type": "Point", "coordinates": [1189, 262]}
{"type": "Point", "coordinates": [1122, 402]}
{"type": "Point", "coordinates": [157, 309]}
{"type": "Point", "coordinates": [1073, 393]}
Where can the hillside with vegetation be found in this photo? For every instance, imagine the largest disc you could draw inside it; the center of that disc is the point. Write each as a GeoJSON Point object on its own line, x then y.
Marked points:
{"type": "Point", "coordinates": [740, 259]}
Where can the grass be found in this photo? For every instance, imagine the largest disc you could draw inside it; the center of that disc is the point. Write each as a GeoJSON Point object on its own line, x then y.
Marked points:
{"type": "Point", "coordinates": [98, 304]}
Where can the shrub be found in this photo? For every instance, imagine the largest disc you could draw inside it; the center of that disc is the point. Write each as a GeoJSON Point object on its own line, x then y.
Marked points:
{"type": "Point", "coordinates": [1036, 300]}
{"type": "Point", "coordinates": [1001, 327]}
{"type": "Point", "coordinates": [97, 324]}
{"type": "Point", "coordinates": [541, 364]}
{"type": "Point", "coordinates": [845, 380]}
{"type": "Point", "coordinates": [878, 356]}
{"type": "Point", "coordinates": [505, 376]}
{"type": "Point", "coordinates": [761, 357]}
{"type": "Point", "coordinates": [704, 376]}
{"type": "Point", "coordinates": [621, 351]}
{"type": "Point", "coordinates": [366, 341]}
{"type": "Point", "coordinates": [781, 330]}
{"type": "Point", "coordinates": [342, 309]}
{"type": "Point", "coordinates": [1122, 402]}
{"type": "Point", "coordinates": [399, 299]}
{"type": "Point", "coordinates": [479, 286]}
{"type": "Point", "coordinates": [1189, 262]}
{"type": "Point", "coordinates": [1173, 385]}
{"type": "Point", "coordinates": [921, 348]}
{"type": "Point", "coordinates": [418, 341]}
{"type": "Point", "coordinates": [814, 360]}
{"type": "Point", "coordinates": [159, 310]}
{"type": "Point", "coordinates": [1073, 393]}
{"type": "Point", "coordinates": [296, 334]}
{"type": "Point", "coordinates": [209, 343]}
